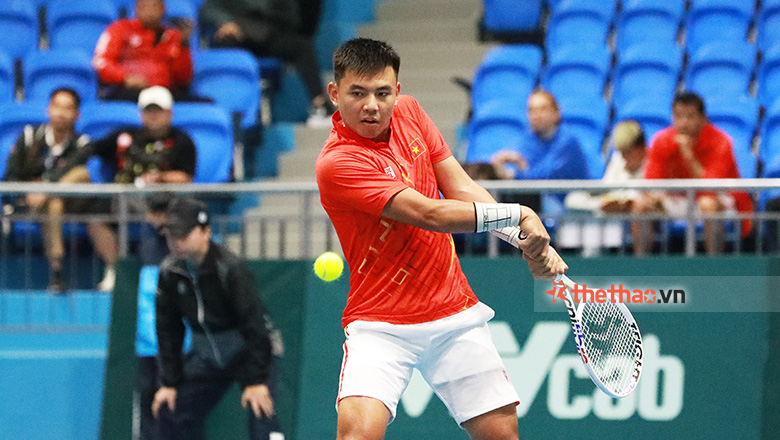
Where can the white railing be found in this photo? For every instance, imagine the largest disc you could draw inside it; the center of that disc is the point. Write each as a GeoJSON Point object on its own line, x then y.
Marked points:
{"type": "Point", "coordinates": [299, 228]}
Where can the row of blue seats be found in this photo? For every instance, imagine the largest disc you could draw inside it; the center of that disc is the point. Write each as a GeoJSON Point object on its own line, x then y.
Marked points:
{"type": "Point", "coordinates": [78, 24]}
{"type": "Point", "coordinates": [654, 69]}
{"type": "Point", "coordinates": [591, 20]}
{"type": "Point", "coordinates": [229, 76]}
{"type": "Point", "coordinates": [208, 125]}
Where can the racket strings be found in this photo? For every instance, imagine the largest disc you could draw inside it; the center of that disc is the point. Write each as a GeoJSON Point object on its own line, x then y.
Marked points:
{"type": "Point", "coordinates": [609, 342]}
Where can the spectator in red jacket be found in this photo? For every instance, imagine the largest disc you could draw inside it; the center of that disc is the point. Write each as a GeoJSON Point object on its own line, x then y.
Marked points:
{"type": "Point", "coordinates": [692, 148]}
{"type": "Point", "coordinates": [133, 54]}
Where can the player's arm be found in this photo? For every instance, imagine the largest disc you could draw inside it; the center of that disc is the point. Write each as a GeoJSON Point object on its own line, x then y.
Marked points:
{"type": "Point", "coordinates": [458, 213]}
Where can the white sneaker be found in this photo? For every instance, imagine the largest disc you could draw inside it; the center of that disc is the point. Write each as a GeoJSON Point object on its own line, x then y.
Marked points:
{"type": "Point", "coordinates": [319, 118]}
{"type": "Point", "coordinates": [109, 279]}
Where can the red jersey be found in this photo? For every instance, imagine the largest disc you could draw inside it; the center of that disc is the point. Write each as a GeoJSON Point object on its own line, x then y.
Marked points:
{"type": "Point", "coordinates": [126, 47]}
{"type": "Point", "coordinates": [713, 149]}
{"type": "Point", "coordinates": [399, 273]}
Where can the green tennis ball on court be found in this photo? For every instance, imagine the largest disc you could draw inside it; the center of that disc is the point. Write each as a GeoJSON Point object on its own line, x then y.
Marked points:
{"type": "Point", "coordinates": [328, 266]}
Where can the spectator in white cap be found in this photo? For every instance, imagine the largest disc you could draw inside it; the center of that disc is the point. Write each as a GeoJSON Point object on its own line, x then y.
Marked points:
{"type": "Point", "coordinates": [154, 153]}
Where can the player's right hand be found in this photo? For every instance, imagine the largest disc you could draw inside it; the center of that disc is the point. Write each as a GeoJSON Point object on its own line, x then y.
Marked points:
{"type": "Point", "coordinates": [165, 395]}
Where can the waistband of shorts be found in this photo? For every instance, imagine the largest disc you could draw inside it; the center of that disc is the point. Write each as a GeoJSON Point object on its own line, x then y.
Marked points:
{"type": "Point", "coordinates": [478, 314]}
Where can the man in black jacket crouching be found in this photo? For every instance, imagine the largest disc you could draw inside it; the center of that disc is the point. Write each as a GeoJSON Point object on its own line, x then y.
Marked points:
{"type": "Point", "coordinates": [209, 287]}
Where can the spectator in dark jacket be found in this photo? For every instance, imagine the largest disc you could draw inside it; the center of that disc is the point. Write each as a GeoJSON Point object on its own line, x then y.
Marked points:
{"type": "Point", "coordinates": [209, 287]}
{"type": "Point", "coordinates": [271, 28]}
{"type": "Point", "coordinates": [54, 152]}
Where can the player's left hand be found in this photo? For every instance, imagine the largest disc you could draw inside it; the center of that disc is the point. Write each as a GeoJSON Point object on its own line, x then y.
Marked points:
{"type": "Point", "coordinates": [258, 397]}
{"type": "Point", "coordinates": [547, 265]}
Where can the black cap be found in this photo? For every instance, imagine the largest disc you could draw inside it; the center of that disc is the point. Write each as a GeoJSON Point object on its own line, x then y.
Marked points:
{"type": "Point", "coordinates": [184, 214]}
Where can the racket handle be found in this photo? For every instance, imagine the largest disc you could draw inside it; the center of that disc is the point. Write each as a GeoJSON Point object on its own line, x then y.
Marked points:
{"type": "Point", "coordinates": [561, 278]}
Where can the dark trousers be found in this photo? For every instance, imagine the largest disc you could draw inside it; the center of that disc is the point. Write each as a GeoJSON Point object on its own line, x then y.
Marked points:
{"type": "Point", "coordinates": [146, 387]}
{"type": "Point", "coordinates": [200, 393]}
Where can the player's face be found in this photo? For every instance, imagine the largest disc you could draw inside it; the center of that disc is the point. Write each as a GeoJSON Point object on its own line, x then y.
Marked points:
{"type": "Point", "coordinates": [687, 119]}
{"type": "Point", "coordinates": [366, 102]}
{"type": "Point", "coordinates": [191, 246]}
{"type": "Point", "coordinates": [62, 111]}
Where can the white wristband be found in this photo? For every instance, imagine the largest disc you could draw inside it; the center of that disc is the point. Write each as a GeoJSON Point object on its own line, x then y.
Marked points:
{"type": "Point", "coordinates": [509, 234]}
{"type": "Point", "coordinates": [492, 216]}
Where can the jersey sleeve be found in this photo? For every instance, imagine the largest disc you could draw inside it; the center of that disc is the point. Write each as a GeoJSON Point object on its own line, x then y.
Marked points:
{"type": "Point", "coordinates": [656, 156]}
{"type": "Point", "coordinates": [349, 180]}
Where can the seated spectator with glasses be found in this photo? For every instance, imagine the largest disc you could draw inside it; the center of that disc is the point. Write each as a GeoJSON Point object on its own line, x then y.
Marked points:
{"type": "Point", "coordinates": [54, 152]}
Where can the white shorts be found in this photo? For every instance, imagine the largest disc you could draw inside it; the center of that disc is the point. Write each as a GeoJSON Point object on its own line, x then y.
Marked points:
{"type": "Point", "coordinates": [455, 355]}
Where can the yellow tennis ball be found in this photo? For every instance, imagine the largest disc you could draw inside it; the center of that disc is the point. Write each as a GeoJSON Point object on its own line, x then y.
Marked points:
{"type": "Point", "coordinates": [328, 266]}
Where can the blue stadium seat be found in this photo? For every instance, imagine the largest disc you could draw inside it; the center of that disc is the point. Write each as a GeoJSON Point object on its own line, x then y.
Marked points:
{"type": "Point", "coordinates": [45, 71]}
{"type": "Point", "coordinates": [769, 151]}
{"type": "Point", "coordinates": [579, 22]}
{"type": "Point", "coordinates": [6, 78]}
{"type": "Point", "coordinates": [721, 68]}
{"type": "Point", "coordinates": [330, 35]}
{"type": "Point", "coordinates": [13, 118]}
{"type": "Point", "coordinates": [646, 70]}
{"type": "Point", "coordinates": [210, 128]}
{"type": "Point", "coordinates": [99, 118]}
{"type": "Point", "coordinates": [587, 119]}
{"type": "Point", "coordinates": [717, 20]}
{"type": "Point", "coordinates": [737, 117]}
{"type": "Point", "coordinates": [574, 70]}
{"type": "Point", "coordinates": [652, 113]}
{"type": "Point", "coordinates": [638, 16]}
{"type": "Point", "coordinates": [768, 27]}
{"type": "Point", "coordinates": [19, 22]}
{"type": "Point", "coordinates": [506, 73]}
{"type": "Point", "coordinates": [348, 11]}
{"type": "Point", "coordinates": [769, 77]}
{"type": "Point", "coordinates": [504, 16]}
{"type": "Point", "coordinates": [76, 24]}
{"type": "Point", "coordinates": [232, 78]}
{"type": "Point", "coordinates": [495, 126]}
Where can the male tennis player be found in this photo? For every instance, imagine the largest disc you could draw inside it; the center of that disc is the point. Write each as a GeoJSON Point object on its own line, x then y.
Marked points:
{"type": "Point", "coordinates": [380, 173]}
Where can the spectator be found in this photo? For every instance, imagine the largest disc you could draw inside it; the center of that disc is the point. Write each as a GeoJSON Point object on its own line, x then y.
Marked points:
{"type": "Point", "coordinates": [155, 153]}
{"type": "Point", "coordinates": [270, 29]}
{"type": "Point", "coordinates": [54, 152]}
{"type": "Point", "coordinates": [627, 163]}
{"type": "Point", "coordinates": [691, 148]}
{"type": "Point", "coordinates": [548, 152]}
{"type": "Point", "coordinates": [203, 283]}
{"type": "Point", "coordinates": [134, 54]}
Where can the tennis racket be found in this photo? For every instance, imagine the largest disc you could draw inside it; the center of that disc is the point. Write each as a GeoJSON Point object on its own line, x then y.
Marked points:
{"type": "Point", "coordinates": [608, 341]}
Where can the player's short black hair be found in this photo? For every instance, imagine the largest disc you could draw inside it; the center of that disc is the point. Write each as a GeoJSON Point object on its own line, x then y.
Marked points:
{"type": "Point", "coordinates": [690, 98]}
{"type": "Point", "coordinates": [73, 94]}
{"type": "Point", "coordinates": [364, 57]}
